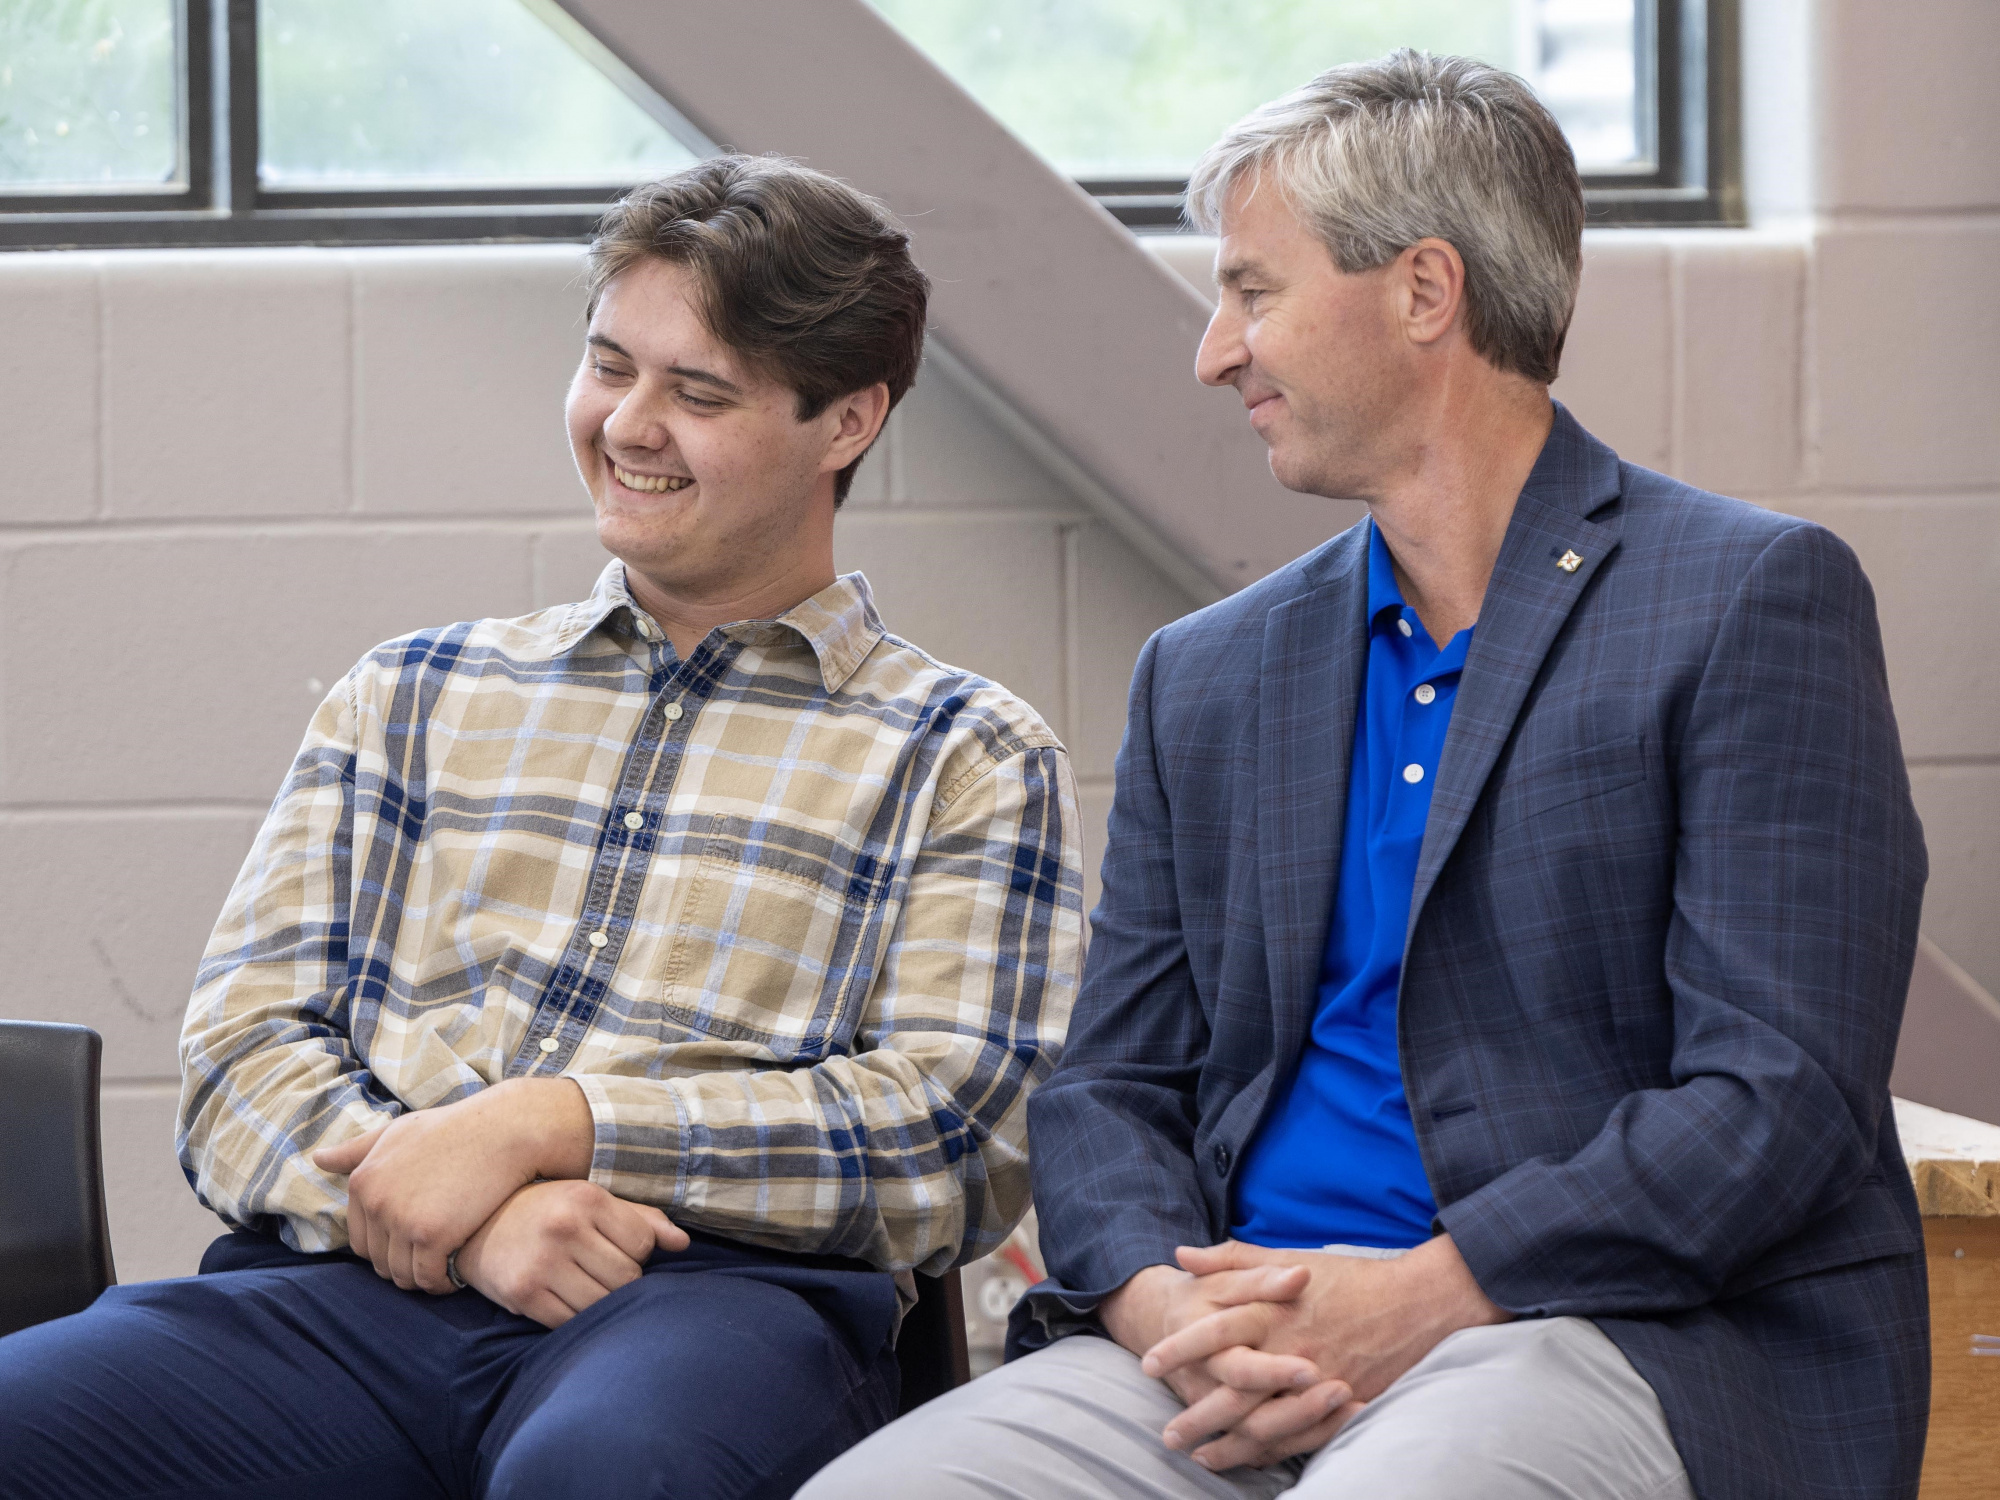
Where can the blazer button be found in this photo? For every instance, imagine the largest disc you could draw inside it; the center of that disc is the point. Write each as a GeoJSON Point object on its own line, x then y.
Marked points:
{"type": "Point", "coordinates": [1221, 1160]}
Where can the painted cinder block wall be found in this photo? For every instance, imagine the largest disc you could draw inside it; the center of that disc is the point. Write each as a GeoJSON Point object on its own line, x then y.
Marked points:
{"type": "Point", "coordinates": [225, 475]}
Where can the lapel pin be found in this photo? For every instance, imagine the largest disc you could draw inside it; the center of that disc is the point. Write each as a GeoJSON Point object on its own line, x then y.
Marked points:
{"type": "Point", "coordinates": [1569, 562]}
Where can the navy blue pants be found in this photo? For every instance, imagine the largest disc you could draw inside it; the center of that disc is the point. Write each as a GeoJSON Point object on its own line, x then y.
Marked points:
{"type": "Point", "coordinates": [724, 1371]}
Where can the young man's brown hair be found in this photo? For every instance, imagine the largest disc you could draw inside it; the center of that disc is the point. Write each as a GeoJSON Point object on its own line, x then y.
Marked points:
{"type": "Point", "coordinates": [809, 280]}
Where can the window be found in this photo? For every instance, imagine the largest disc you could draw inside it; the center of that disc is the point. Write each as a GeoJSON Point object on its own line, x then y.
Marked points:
{"type": "Point", "coordinates": [245, 121]}
{"type": "Point", "coordinates": [1125, 94]}
{"type": "Point", "coordinates": [147, 122]}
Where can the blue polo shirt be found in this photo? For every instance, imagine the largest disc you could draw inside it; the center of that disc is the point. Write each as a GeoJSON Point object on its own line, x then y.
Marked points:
{"type": "Point", "coordinates": [1335, 1160]}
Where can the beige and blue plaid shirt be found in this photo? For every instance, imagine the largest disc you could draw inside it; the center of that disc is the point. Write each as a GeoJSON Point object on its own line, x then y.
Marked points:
{"type": "Point", "coordinates": [802, 915]}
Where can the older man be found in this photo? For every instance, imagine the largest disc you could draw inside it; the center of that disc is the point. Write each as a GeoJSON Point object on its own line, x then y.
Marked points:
{"type": "Point", "coordinates": [703, 909]}
{"type": "Point", "coordinates": [1479, 1084]}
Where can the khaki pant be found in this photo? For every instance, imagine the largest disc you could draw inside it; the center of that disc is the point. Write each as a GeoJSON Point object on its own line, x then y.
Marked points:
{"type": "Point", "coordinates": [1545, 1409]}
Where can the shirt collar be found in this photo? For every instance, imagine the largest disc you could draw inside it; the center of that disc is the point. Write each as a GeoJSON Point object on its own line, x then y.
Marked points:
{"type": "Point", "coordinates": [1382, 590]}
{"type": "Point", "coordinates": [839, 623]}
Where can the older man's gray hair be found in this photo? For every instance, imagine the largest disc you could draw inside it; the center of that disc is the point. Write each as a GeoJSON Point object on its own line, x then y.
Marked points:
{"type": "Point", "coordinates": [1375, 156]}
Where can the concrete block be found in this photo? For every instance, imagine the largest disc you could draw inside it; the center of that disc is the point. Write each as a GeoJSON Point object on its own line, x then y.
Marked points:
{"type": "Point", "coordinates": [108, 917]}
{"type": "Point", "coordinates": [983, 593]}
{"type": "Point", "coordinates": [226, 380]}
{"type": "Point", "coordinates": [462, 359]}
{"type": "Point", "coordinates": [1120, 600]}
{"type": "Point", "coordinates": [1960, 806]}
{"type": "Point", "coordinates": [1906, 117]}
{"type": "Point", "coordinates": [1907, 356]}
{"type": "Point", "coordinates": [48, 387]}
{"type": "Point", "coordinates": [158, 1226]}
{"type": "Point", "coordinates": [949, 452]}
{"type": "Point", "coordinates": [1618, 360]}
{"type": "Point", "coordinates": [1741, 300]}
{"type": "Point", "coordinates": [568, 559]}
{"type": "Point", "coordinates": [223, 646]}
{"type": "Point", "coordinates": [1935, 565]}
{"type": "Point", "coordinates": [1189, 256]}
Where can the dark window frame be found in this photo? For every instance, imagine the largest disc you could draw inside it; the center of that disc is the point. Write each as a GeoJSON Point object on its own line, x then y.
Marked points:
{"type": "Point", "coordinates": [217, 199]}
{"type": "Point", "coordinates": [1690, 68]}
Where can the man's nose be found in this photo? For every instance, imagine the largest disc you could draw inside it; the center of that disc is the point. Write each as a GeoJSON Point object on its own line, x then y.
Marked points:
{"type": "Point", "coordinates": [1221, 354]}
{"type": "Point", "coordinates": [635, 422]}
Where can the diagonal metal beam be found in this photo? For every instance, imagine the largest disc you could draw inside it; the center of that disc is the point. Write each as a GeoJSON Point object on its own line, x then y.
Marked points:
{"type": "Point", "coordinates": [1051, 303]}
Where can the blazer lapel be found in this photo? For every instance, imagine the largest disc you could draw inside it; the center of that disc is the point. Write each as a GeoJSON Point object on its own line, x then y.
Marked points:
{"type": "Point", "coordinates": [1315, 651]}
{"type": "Point", "coordinates": [1547, 559]}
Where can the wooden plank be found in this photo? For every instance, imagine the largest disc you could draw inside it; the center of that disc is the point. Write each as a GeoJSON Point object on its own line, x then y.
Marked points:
{"type": "Point", "coordinates": [1962, 1458]}
{"type": "Point", "coordinates": [1957, 1189]}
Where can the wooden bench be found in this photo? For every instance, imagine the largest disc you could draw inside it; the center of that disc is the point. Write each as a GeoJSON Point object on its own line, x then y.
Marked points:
{"type": "Point", "coordinates": [1955, 1163]}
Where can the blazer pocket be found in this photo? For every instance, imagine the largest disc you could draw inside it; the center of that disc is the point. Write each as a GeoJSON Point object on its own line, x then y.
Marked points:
{"type": "Point", "coordinates": [1553, 781]}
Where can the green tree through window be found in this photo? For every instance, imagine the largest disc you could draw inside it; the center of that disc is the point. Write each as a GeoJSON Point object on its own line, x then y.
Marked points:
{"type": "Point", "coordinates": [382, 93]}
{"type": "Point", "coordinates": [87, 94]}
{"type": "Point", "coordinates": [1138, 88]}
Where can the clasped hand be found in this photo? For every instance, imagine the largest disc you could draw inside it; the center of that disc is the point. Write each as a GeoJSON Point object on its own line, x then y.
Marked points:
{"type": "Point", "coordinates": [464, 1178]}
{"type": "Point", "coordinates": [1274, 1351]}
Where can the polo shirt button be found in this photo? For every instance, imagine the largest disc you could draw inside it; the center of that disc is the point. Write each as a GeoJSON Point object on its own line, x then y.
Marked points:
{"type": "Point", "coordinates": [634, 821]}
{"type": "Point", "coordinates": [1411, 773]}
{"type": "Point", "coordinates": [1404, 626]}
{"type": "Point", "coordinates": [598, 939]}
{"type": "Point", "coordinates": [549, 1044]}
{"type": "Point", "coordinates": [673, 711]}
{"type": "Point", "coordinates": [1426, 693]}
{"type": "Point", "coordinates": [1221, 1160]}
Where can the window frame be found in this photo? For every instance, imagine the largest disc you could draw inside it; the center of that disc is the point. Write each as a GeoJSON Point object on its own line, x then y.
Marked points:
{"type": "Point", "coordinates": [1696, 178]}
{"type": "Point", "coordinates": [1689, 70]}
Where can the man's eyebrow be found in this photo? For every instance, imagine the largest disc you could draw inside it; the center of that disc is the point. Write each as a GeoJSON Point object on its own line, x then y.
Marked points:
{"type": "Point", "coordinates": [686, 372]}
{"type": "Point", "coordinates": [1237, 271]}
{"type": "Point", "coordinates": [706, 377]}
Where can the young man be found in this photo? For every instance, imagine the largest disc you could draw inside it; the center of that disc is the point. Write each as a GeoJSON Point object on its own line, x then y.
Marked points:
{"type": "Point", "coordinates": [1479, 1084]}
{"type": "Point", "coordinates": [618, 998]}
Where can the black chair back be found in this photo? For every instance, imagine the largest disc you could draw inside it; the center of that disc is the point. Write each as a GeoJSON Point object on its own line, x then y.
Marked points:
{"type": "Point", "coordinates": [930, 1348]}
{"type": "Point", "coordinates": [55, 1242]}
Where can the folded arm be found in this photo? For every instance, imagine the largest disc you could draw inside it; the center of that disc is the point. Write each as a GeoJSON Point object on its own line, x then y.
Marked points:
{"type": "Point", "coordinates": [910, 1149]}
{"type": "Point", "coordinates": [268, 1062]}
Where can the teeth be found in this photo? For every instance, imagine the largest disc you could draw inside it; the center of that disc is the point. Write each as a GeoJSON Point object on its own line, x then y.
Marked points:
{"type": "Point", "coordinates": [651, 484]}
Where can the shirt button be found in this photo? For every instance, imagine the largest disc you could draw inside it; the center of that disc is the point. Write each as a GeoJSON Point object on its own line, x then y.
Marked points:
{"type": "Point", "coordinates": [549, 1044]}
{"type": "Point", "coordinates": [673, 711]}
{"type": "Point", "coordinates": [1426, 693]}
{"type": "Point", "coordinates": [1412, 774]}
{"type": "Point", "coordinates": [598, 939]}
{"type": "Point", "coordinates": [635, 821]}
{"type": "Point", "coordinates": [1404, 626]}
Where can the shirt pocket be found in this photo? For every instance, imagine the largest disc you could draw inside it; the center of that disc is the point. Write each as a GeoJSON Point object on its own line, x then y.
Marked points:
{"type": "Point", "coordinates": [1566, 777]}
{"type": "Point", "coordinates": [776, 947]}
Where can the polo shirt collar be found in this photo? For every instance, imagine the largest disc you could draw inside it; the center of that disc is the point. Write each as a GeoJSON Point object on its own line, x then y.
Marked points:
{"type": "Point", "coordinates": [1383, 594]}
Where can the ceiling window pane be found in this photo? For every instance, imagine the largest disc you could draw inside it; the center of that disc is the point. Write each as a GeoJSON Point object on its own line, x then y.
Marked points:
{"type": "Point", "coordinates": [89, 95]}
{"type": "Point", "coordinates": [449, 93]}
{"type": "Point", "coordinates": [1137, 89]}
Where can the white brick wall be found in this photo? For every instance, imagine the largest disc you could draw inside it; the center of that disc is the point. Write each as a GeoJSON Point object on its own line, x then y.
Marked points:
{"type": "Point", "coordinates": [223, 476]}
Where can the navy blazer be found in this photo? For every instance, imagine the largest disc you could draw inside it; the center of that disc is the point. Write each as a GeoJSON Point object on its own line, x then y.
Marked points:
{"type": "Point", "coordinates": [1662, 928]}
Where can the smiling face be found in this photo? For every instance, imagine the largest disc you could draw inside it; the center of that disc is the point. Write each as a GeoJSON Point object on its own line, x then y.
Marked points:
{"type": "Point", "coordinates": [707, 485]}
{"type": "Point", "coordinates": [1320, 356]}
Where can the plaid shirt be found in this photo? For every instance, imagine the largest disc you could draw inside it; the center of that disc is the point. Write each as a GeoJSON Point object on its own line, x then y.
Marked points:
{"type": "Point", "coordinates": [801, 914]}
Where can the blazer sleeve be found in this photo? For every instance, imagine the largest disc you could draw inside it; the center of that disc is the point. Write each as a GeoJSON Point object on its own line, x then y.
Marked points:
{"type": "Point", "coordinates": [1111, 1134]}
{"type": "Point", "coordinates": [1799, 874]}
